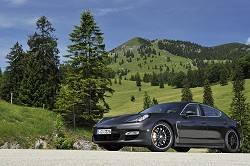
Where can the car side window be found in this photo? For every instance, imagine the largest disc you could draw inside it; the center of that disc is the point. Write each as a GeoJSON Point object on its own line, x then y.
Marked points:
{"type": "Point", "coordinates": [192, 107]}
{"type": "Point", "coordinates": [210, 111]}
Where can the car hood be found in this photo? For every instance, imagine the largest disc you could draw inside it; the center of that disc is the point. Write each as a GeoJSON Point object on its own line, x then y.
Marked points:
{"type": "Point", "coordinates": [116, 120]}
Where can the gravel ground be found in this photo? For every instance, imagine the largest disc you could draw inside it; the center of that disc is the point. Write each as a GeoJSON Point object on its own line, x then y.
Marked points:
{"type": "Point", "coordinates": [28, 157]}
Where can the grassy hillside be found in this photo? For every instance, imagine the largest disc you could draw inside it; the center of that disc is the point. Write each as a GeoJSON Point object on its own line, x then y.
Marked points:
{"type": "Point", "coordinates": [24, 124]}
{"type": "Point", "coordinates": [152, 60]}
{"type": "Point", "coordinates": [120, 102]}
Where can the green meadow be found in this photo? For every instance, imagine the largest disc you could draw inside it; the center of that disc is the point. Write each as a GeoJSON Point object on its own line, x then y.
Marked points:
{"type": "Point", "coordinates": [120, 102]}
{"type": "Point", "coordinates": [24, 124]}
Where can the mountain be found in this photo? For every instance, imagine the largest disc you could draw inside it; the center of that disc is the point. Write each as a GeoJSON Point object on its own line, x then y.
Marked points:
{"type": "Point", "coordinates": [186, 49]}
{"type": "Point", "coordinates": [144, 56]}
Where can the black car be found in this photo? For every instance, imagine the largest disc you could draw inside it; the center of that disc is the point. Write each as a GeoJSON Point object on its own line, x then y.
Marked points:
{"type": "Point", "coordinates": [177, 125]}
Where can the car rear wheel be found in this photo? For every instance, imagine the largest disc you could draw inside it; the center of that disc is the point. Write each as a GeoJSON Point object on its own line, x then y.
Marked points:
{"type": "Point", "coordinates": [112, 147]}
{"type": "Point", "coordinates": [181, 149]}
{"type": "Point", "coordinates": [161, 137]}
{"type": "Point", "coordinates": [232, 142]}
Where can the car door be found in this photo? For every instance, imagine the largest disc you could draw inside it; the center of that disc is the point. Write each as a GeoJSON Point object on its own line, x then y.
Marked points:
{"type": "Point", "coordinates": [216, 125]}
{"type": "Point", "coordinates": [191, 127]}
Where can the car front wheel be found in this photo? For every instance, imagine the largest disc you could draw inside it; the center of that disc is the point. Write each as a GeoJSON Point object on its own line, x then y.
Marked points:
{"type": "Point", "coordinates": [161, 137]}
{"type": "Point", "coordinates": [232, 142]}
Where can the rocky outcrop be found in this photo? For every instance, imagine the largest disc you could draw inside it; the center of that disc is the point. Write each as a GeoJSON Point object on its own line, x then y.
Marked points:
{"type": "Point", "coordinates": [11, 145]}
{"type": "Point", "coordinates": [81, 144]}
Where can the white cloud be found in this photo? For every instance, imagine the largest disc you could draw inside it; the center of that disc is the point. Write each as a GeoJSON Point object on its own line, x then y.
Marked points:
{"type": "Point", "coordinates": [30, 21]}
{"type": "Point", "coordinates": [102, 12]}
{"type": "Point", "coordinates": [9, 21]}
{"type": "Point", "coordinates": [5, 22]}
{"type": "Point", "coordinates": [248, 41]}
{"type": "Point", "coordinates": [16, 2]}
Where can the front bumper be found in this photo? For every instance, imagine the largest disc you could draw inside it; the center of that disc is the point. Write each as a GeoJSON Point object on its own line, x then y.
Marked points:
{"type": "Point", "coordinates": [118, 135]}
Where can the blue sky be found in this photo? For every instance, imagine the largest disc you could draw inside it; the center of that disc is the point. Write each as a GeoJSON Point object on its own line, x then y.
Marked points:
{"type": "Point", "coordinates": [206, 22]}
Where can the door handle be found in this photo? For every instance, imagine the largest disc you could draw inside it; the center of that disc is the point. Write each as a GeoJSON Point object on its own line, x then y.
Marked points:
{"type": "Point", "coordinates": [224, 123]}
{"type": "Point", "coordinates": [203, 122]}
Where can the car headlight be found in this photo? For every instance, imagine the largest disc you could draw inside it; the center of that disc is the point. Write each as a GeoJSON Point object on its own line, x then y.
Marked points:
{"type": "Point", "coordinates": [138, 118]}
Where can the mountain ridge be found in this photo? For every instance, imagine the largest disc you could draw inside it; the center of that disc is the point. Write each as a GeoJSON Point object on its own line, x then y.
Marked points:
{"type": "Point", "coordinates": [187, 49]}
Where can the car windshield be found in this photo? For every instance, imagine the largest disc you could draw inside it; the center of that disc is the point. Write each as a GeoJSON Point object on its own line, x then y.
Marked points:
{"type": "Point", "coordinates": [165, 108]}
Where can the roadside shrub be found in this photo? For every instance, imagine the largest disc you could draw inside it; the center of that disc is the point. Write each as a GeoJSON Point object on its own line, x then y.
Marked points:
{"type": "Point", "coordinates": [63, 143]}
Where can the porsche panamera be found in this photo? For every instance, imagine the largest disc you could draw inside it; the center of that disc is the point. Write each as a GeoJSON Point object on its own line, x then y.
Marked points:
{"type": "Point", "coordinates": [177, 125]}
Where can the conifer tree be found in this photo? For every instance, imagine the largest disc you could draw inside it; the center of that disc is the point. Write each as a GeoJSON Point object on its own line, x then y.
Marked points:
{"type": "Point", "coordinates": [208, 95]}
{"type": "Point", "coordinates": [138, 80]}
{"type": "Point", "coordinates": [147, 102]}
{"type": "Point", "coordinates": [87, 73]}
{"type": "Point", "coordinates": [240, 110]}
{"type": "Point", "coordinates": [42, 78]}
{"type": "Point", "coordinates": [115, 82]}
{"type": "Point", "coordinates": [223, 76]}
{"type": "Point", "coordinates": [186, 93]}
{"type": "Point", "coordinates": [120, 81]}
{"type": "Point", "coordinates": [155, 101]}
{"type": "Point", "coordinates": [132, 98]}
{"type": "Point", "coordinates": [1, 82]}
{"type": "Point", "coordinates": [154, 80]}
{"type": "Point", "coordinates": [14, 73]}
{"type": "Point", "coordinates": [161, 84]}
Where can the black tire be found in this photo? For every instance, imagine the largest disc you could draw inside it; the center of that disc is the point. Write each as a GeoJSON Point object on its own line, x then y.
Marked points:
{"type": "Point", "coordinates": [161, 137]}
{"type": "Point", "coordinates": [112, 147]}
{"type": "Point", "coordinates": [232, 142]}
{"type": "Point", "coordinates": [181, 149]}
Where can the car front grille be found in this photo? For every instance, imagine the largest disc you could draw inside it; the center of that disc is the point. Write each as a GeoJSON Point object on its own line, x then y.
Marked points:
{"type": "Point", "coordinates": [111, 137]}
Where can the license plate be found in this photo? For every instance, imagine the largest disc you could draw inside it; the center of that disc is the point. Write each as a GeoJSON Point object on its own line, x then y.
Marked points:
{"type": "Point", "coordinates": [103, 131]}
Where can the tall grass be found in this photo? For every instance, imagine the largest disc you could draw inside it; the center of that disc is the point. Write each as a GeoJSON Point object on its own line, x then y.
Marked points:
{"type": "Point", "coordinates": [24, 124]}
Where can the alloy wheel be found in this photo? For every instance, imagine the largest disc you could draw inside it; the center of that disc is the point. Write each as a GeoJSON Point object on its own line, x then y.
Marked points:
{"type": "Point", "coordinates": [161, 136]}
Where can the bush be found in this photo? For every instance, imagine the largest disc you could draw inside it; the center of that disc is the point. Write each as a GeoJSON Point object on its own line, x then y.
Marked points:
{"type": "Point", "coordinates": [63, 143]}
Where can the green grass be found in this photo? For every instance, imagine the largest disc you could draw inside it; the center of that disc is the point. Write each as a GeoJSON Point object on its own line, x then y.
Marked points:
{"type": "Point", "coordinates": [24, 124]}
{"type": "Point", "coordinates": [120, 101]}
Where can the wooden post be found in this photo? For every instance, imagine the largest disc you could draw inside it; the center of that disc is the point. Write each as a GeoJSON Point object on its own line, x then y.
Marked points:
{"type": "Point", "coordinates": [11, 97]}
{"type": "Point", "coordinates": [74, 117]}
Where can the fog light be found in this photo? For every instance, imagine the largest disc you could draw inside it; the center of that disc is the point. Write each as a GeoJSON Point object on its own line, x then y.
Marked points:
{"type": "Point", "coordinates": [132, 133]}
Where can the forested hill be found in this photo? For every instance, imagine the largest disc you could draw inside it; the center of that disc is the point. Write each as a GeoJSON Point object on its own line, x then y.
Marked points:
{"type": "Point", "coordinates": [196, 51]}
{"type": "Point", "coordinates": [188, 49]}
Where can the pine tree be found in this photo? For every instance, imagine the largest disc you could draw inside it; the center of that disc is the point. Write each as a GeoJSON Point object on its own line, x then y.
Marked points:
{"type": "Point", "coordinates": [14, 73]}
{"type": "Point", "coordinates": [115, 82]}
{"type": "Point", "coordinates": [132, 98]}
{"type": "Point", "coordinates": [208, 96]}
{"type": "Point", "coordinates": [44, 73]}
{"type": "Point", "coordinates": [120, 81]}
{"type": "Point", "coordinates": [1, 82]}
{"type": "Point", "coordinates": [161, 84]}
{"type": "Point", "coordinates": [223, 76]}
{"type": "Point", "coordinates": [186, 93]}
{"type": "Point", "coordinates": [138, 80]}
{"type": "Point", "coordinates": [154, 80]}
{"type": "Point", "coordinates": [155, 101]}
{"type": "Point", "coordinates": [178, 79]}
{"type": "Point", "coordinates": [87, 72]}
{"type": "Point", "coordinates": [147, 102]}
{"type": "Point", "coordinates": [240, 110]}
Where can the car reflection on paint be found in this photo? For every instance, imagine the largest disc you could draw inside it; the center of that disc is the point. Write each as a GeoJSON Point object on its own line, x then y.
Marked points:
{"type": "Point", "coordinates": [177, 125]}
